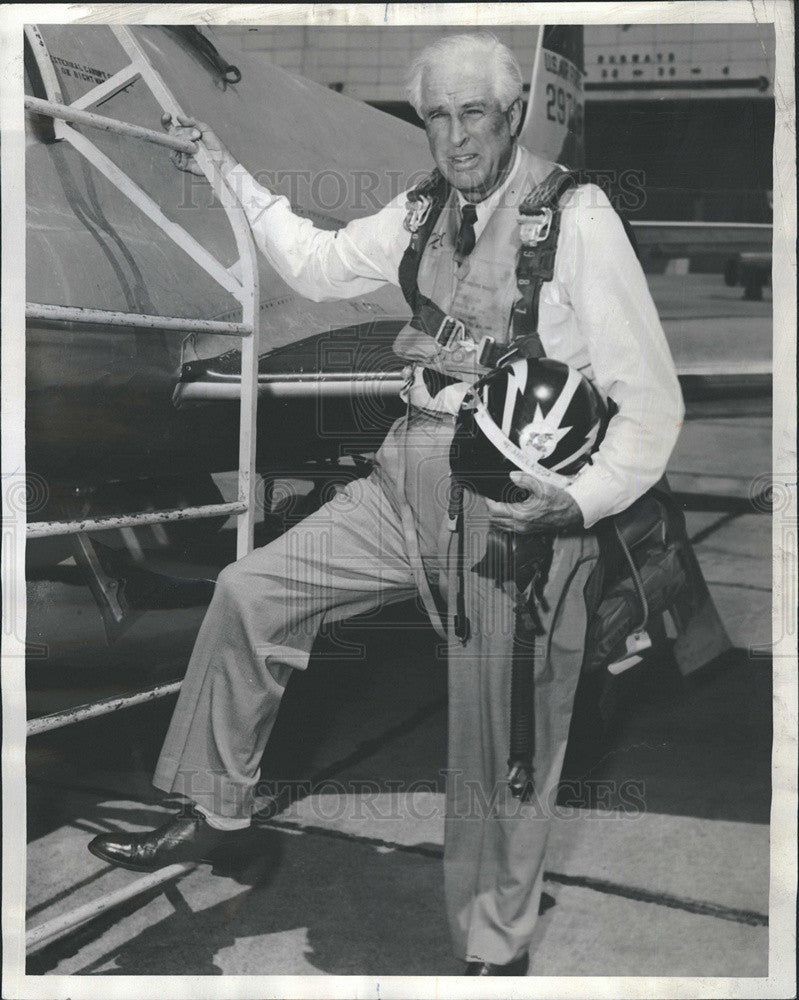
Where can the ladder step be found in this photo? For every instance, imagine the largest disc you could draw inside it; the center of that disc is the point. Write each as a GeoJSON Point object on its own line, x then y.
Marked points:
{"type": "Point", "coordinates": [93, 120]}
{"type": "Point", "coordinates": [42, 529]}
{"type": "Point", "coordinates": [104, 317]}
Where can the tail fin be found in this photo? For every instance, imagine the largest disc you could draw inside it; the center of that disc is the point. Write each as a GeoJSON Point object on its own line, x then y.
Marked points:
{"type": "Point", "coordinates": [553, 126]}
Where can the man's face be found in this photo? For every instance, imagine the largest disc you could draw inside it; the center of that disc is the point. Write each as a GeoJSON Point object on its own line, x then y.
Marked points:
{"type": "Point", "coordinates": [470, 134]}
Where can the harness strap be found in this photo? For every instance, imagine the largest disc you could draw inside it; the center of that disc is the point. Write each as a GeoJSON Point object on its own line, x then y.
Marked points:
{"type": "Point", "coordinates": [425, 203]}
{"type": "Point", "coordinates": [539, 216]}
{"type": "Point", "coordinates": [539, 219]}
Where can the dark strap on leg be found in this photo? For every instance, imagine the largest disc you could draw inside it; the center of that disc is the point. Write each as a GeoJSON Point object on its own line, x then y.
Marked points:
{"type": "Point", "coordinates": [531, 559]}
{"type": "Point", "coordinates": [514, 563]}
{"type": "Point", "coordinates": [461, 625]}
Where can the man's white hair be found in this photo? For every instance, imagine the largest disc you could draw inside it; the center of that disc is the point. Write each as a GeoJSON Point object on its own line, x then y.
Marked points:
{"type": "Point", "coordinates": [507, 73]}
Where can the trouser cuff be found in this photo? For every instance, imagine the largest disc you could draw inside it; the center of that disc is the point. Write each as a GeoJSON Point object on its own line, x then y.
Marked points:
{"type": "Point", "coordinates": [224, 822]}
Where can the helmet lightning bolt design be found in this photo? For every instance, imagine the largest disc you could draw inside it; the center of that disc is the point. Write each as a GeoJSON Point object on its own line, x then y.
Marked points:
{"type": "Point", "coordinates": [536, 415]}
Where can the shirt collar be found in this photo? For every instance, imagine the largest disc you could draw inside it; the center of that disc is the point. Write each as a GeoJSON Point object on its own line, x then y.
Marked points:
{"type": "Point", "coordinates": [485, 209]}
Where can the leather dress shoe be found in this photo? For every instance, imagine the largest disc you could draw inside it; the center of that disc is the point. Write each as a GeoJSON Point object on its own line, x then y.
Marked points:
{"type": "Point", "coordinates": [186, 837]}
{"type": "Point", "coordinates": [518, 967]}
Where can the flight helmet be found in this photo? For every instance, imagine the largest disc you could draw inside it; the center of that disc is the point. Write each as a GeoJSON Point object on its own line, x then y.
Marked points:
{"type": "Point", "coordinates": [537, 415]}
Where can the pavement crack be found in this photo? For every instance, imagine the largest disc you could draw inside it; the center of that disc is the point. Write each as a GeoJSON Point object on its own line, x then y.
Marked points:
{"type": "Point", "coordinates": [635, 893]}
{"type": "Point", "coordinates": [700, 907]}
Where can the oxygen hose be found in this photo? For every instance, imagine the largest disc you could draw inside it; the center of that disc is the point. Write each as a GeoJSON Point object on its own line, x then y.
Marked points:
{"type": "Point", "coordinates": [206, 48]}
{"type": "Point", "coordinates": [636, 578]}
{"type": "Point", "coordinates": [522, 712]}
{"type": "Point", "coordinates": [461, 624]}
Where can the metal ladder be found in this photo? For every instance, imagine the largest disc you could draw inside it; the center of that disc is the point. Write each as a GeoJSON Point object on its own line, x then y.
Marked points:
{"type": "Point", "coordinates": [245, 289]}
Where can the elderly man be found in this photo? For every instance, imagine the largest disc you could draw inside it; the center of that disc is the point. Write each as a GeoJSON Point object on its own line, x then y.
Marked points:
{"type": "Point", "coordinates": [389, 535]}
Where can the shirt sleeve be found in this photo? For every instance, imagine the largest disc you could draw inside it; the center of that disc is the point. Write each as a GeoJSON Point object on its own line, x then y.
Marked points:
{"type": "Point", "coordinates": [321, 264]}
{"type": "Point", "coordinates": [629, 355]}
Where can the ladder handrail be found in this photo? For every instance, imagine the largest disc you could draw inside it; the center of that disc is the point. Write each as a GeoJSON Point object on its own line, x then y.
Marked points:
{"type": "Point", "coordinates": [67, 113]}
{"type": "Point", "coordinates": [249, 296]}
{"type": "Point", "coordinates": [49, 529]}
{"type": "Point", "coordinates": [94, 709]}
{"type": "Point", "coordinates": [44, 934]}
{"type": "Point", "coordinates": [44, 61]}
{"type": "Point", "coordinates": [106, 317]}
{"type": "Point", "coordinates": [245, 288]}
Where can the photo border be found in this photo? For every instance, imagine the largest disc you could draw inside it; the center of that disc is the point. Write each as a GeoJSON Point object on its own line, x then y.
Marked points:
{"type": "Point", "coordinates": [782, 918]}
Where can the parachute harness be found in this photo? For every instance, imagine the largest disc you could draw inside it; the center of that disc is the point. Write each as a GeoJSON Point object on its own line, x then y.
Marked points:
{"type": "Point", "coordinates": [539, 227]}
{"type": "Point", "coordinates": [516, 564]}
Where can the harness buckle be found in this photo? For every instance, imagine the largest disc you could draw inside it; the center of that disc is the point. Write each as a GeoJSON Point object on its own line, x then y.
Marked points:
{"type": "Point", "coordinates": [450, 332]}
{"type": "Point", "coordinates": [418, 211]}
{"type": "Point", "coordinates": [484, 351]}
{"type": "Point", "coordinates": [535, 227]}
{"type": "Point", "coordinates": [506, 357]}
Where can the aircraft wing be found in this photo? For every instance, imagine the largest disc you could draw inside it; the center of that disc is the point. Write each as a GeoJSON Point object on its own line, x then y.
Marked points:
{"type": "Point", "coordinates": [689, 239]}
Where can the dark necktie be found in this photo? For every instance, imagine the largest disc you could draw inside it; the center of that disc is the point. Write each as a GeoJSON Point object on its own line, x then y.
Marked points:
{"type": "Point", "coordinates": [464, 244]}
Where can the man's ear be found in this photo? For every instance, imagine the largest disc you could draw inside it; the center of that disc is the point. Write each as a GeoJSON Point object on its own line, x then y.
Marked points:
{"type": "Point", "coordinates": [514, 114]}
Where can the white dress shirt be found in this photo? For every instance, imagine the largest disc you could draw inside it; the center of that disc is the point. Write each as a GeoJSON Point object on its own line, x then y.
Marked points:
{"type": "Point", "coordinates": [597, 314]}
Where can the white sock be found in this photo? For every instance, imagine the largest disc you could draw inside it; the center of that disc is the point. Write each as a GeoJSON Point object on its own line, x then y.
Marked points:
{"type": "Point", "coordinates": [224, 822]}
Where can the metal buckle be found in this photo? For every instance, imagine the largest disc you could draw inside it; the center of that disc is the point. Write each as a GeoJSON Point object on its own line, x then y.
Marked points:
{"type": "Point", "coordinates": [484, 351]}
{"type": "Point", "coordinates": [418, 210]}
{"type": "Point", "coordinates": [507, 356]}
{"type": "Point", "coordinates": [450, 331]}
{"type": "Point", "coordinates": [536, 226]}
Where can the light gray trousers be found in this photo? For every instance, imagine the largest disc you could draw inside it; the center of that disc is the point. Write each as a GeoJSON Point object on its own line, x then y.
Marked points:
{"type": "Point", "coordinates": [351, 557]}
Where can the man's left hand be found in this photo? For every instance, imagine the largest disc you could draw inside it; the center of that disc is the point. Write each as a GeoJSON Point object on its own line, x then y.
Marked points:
{"type": "Point", "coordinates": [547, 508]}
